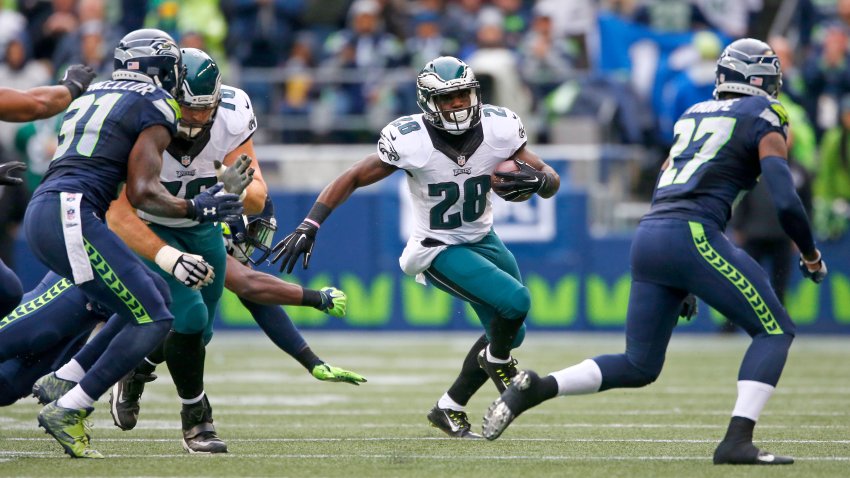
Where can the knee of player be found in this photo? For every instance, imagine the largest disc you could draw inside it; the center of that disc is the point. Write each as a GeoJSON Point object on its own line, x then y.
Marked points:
{"type": "Point", "coordinates": [193, 321]}
{"type": "Point", "coordinates": [516, 304]}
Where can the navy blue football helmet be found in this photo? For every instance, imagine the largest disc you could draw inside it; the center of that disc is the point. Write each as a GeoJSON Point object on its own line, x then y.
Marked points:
{"type": "Point", "coordinates": [252, 234]}
{"type": "Point", "coordinates": [748, 67]}
{"type": "Point", "coordinates": [152, 56]}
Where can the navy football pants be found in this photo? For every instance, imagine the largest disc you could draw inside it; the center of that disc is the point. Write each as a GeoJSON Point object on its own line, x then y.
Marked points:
{"type": "Point", "coordinates": [671, 257]}
{"type": "Point", "coordinates": [121, 283]}
{"type": "Point", "coordinates": [10, 289]}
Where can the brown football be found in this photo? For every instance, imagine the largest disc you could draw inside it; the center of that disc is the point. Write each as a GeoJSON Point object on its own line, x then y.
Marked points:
{"type": "Point", "coordinates": [508, 166]}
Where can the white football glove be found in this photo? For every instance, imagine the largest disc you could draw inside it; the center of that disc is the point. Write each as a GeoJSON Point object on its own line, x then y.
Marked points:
{"type": "Point", "coordinates": [189, 269]}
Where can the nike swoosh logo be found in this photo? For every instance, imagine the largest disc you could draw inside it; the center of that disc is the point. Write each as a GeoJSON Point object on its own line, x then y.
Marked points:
{"type": "Point", "coordinates": [535, 180]}
{"type": "Point", "coordinates": [769, 458]}
{"type": "Point", "coordinates": [392, 136]}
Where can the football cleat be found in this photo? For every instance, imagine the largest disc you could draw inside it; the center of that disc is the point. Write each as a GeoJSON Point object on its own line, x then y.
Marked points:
{"type": "Point", "coordinates": [500, 373]}
{"type": "Point", "coordinates": [67, 426]}
{"type": "Point", "coordinates": [745, 453]}
{"type": "Point", "coordinates": [453, 422]}
{"type": "Point", "coordinates": [199, 434]}
{"type": "Point", "coordinates": [124, 399]}
{"type": "Point", "coordinates": [50, 387]}
{"type": "Point", "coordinates": [514, 400]}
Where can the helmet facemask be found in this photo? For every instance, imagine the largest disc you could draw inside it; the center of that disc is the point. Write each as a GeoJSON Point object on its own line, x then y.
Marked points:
{"type": "Point", "coordinates": [448, 76]}
{"type": "Point", "coordinates": [255, 234]}
{"type": "Point", "coordinates": [200, 93]}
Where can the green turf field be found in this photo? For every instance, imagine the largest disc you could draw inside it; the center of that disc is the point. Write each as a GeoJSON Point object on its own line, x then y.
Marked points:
{"type": "Point", "coordinates": [279, 421]}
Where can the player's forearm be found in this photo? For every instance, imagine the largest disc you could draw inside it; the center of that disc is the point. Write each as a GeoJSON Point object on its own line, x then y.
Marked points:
{"type": "Point", "coordinates": [259, 287]}
{"type": "Point", "coordinates": [255, 199]}
{"type": "Point", "coordinates": [35, 103]}
{"type": "Point", "coordinates": [123, 221]}
{"type": "Point", "coordinates": [553, 183]}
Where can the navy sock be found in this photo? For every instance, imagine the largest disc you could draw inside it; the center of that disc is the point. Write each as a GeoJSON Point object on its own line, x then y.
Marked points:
{"type": "Point", "coordinates": [765, 358]}
{"type": "Point", "coordinates": [278, 326]}
{"type": "Point", "coordinates": [126, 350]}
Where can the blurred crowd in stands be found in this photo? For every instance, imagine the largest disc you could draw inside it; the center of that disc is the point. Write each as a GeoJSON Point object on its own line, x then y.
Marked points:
{"type": "Point", "coordinates": [576, 71]}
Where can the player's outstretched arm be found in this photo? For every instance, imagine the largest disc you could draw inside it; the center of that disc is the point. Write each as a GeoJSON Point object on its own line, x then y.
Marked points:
{"type": "Point", "coordinates": [255, 195]}
{"type": "Point", "coordinates": [45, 101]}
{"type": "Point", "coordinates": [190, 269]}
{"type": "Point", "coordinates": [300, 242]}
{"type": "Point", "coordinates": [773, 152]}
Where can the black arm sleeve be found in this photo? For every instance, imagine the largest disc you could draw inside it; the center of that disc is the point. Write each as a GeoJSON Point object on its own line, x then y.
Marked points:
{"type": "Point", "coordinates": [789, 208]}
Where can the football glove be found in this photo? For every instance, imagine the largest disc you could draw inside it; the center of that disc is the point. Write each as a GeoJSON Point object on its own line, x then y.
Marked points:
{"type": "Point", "coordinates": [689, 307]}
{"type": "Point", "coordinates": [190, 270]}
{"type": "Point", "coordinates": [328, 373]}
{"type": "Point", "coordinates": [513, 185]}
{"type": "Point", "coordinates": [6, 170]}
{"type": "Point", "coordinates": [237, 176]}
{"type": "Point", "coordinates": [815, 271]}
{"type": "Point", "coordinates": [214, 205]}
{"type": "Point", "coordinates": [77, 79]}
{"type": "Point", "coordinates": [294, 245]}
{"type": "Point", "coordinates": [333, 301]}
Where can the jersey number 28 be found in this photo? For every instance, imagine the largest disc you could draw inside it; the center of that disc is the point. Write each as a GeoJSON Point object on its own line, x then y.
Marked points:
{"type": "Point", "coordinates": [714, 132]}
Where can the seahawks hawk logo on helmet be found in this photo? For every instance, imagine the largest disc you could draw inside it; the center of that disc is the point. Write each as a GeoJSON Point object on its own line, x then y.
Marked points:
{"type": "Point", "coordinates": [748, 67]}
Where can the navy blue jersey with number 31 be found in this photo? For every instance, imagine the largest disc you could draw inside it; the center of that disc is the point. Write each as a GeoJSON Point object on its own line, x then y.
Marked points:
{"type": "Point", "coordinates": [715, 157]}
{"type": "Point", "coordinates": [98, 131]}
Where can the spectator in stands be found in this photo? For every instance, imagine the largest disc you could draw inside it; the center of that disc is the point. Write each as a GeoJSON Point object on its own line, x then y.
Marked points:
{"type": "Point", "coordinates": [793, 96]}
{"type": "Point", "coordinates": [89, 43]}
{"type": "Point", "coordinates": [517, 18]}
{"type": "Point", "coordinates": [12, 24]}
{"type": "Point", "coordinates": [20, 72]}
{"type": "Point", "coordinates": [827, 76]}
{"type": "Point", "coordinates": [47, 23]}
{"type": "Point", "coordinates": [832, 183]}
{"type": "Point", "coordinates": [670, 16]}
{"type": "Point", "coordinates": [546, 60]}
{"type": "Point", "coordinates": [295, 104]}
{"type": "Point", "coordinates": [461, 21]}
{"type": "Point", "coordinates": [428, 41]}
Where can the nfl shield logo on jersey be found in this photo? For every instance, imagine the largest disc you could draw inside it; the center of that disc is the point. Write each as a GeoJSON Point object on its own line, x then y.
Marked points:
{"type": "Point", "coordinates": [186, 160]}
{"type": "Point", "coordinates": [461, 160]}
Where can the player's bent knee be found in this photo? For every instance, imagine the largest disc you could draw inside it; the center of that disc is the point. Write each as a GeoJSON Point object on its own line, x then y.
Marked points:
{"type": "Point", "coordinates": [193, 321]}
{"type": "Point", "coordinates": [8, 394]}
{"type": "Point", "coordinates": [162, 288]}
{"type": "Point", "coordinates": [516, 304]}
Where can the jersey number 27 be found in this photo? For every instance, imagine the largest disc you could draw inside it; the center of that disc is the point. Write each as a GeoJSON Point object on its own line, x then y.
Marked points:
{"type": "Point", "coordinates": [714, 132]}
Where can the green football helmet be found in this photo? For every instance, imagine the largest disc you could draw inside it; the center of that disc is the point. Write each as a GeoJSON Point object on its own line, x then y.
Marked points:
{"type": "Point", "coordinates": [446, 75]}
{"type": "Point", "coordinates": [200, 93]}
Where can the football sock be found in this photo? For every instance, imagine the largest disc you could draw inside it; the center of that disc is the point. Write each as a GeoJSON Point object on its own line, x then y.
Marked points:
{"type": "Point", "coordinates": [308, 359]}
{"type": "Point", "coordinates": [92, 351]}
{"type": "Point", "coordinates": [191, 401]}
{"type": "Point", "coordinates": [740, 430]}
{"type": "Point", "coordinates": [148, 366]}
{"type": "Point", "coordinates": [446, 402]}
{"type": "Point", "coordinates": [503, 332]}
{"type": "Point", "coordinates": [471, 376]}
{"type": "Point", "coordinates": [580, 379]}
{"type": "Point", "coordinates": [75, 398]}
{"type": "Point", "coordinates": [71, 371]}
{"type": "Point", "coordinates": [278, 327]}
{"type": "Point", "coordinates": [184, 354]}
{"type": "Point", "coordinates": [752, 397]}
{"type": "Point", "coordinates": [127, 349]}
{"type": "Point", "coordinates": [492, 359]}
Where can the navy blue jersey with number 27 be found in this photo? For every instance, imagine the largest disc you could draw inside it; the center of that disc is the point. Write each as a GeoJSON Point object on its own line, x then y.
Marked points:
{"type": "Point", "coordinates": [714, 158]}
{"type": "Point", "coordinates": [98, 131]}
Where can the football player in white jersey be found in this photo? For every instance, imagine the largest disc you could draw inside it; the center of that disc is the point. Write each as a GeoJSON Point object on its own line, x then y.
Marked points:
{"type": "Point", "coordinates": [449, 153]}
{"type": "Point", "coordinates": [217, 125]}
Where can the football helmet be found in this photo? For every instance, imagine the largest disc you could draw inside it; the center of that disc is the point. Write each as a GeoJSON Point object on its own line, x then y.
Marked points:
{"type": "Point", "coordinates": [200, 92]}
{"type": "Point", "coordinates": [748, 67]}
{"type": "Point", "coordinates": [149, 55]}
{"type": "Point", "coordinates": [445, 75]}
{"type": "Point", "coordinates": [251, 234]}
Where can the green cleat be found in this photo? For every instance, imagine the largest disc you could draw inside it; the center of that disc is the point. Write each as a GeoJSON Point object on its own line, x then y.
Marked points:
{"type": "Point", "coordinates": [67, 426]}
{"type": "Point", "coordinates": [50, 387]}
{"type": "Point", "coordinates": [328, 373]}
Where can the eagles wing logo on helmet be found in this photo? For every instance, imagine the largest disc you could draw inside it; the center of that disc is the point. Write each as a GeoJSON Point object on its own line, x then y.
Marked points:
{"type": "Point", "coordinates": [442, 76]}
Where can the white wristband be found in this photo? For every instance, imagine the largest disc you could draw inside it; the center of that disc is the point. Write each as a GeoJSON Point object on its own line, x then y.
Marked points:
{"type": "Point", "coordinates": [167, 257]}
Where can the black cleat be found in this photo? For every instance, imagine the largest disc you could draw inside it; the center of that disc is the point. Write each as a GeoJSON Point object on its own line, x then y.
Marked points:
{"type": "Point", "coordinates": [519, 397]}
{"type": "Point", "coordinates": [124, 399]}
{"type": "Point", "coordinates": [199, 434]}
{"type": "Point", "coordinates": [500, 373]}
{"type": "Point", "coordinates": [453, 422]}
{"type": "Point", "coordinates": [745, 453]}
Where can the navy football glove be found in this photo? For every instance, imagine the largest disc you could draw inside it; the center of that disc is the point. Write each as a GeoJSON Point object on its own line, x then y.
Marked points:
{"type": "Point", "coordinates": [818, 274]}
{"type": "Point", "coordinates": [689, 307]}
{"type": "Point", "coordinates": [294, 245]}
{"type": "Point", "coordinates": [513, 185]}
{"type": "Point", "coordinates": [213, 205]}
{"type": "Point", "coordinates": [77, 79]}
{"type": "Point", "coordinates": [6, 170]}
